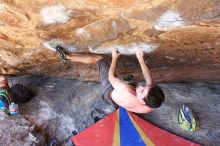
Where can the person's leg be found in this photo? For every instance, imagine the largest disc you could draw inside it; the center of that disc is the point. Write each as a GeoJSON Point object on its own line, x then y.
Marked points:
{"type": "Point", "coordinates": [103, 68]}
{"type": "Point", "coordinates": [84, 58]}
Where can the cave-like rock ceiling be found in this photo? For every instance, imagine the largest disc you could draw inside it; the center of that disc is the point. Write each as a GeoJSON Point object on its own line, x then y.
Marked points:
{"type": "Point", "coordinates": [181, 38]}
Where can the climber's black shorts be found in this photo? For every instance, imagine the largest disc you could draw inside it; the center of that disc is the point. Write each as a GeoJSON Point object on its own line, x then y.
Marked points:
{"type": "Point", "coordinates": [107, 88]}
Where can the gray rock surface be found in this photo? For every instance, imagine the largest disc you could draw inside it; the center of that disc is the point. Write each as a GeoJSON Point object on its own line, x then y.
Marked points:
{"type": "Point", "coordinates": [203, 98]}
{"type": "Point", "coordinates": [63, 105]}
{"type": "Point", "coordinates": [18, 131]}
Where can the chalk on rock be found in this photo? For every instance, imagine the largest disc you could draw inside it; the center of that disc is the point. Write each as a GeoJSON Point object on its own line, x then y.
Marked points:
{"type": "Point", "coordinates": [55, 14]}
{"type": "Point", "coordinates": [2, 8]}
{"type": "Point", "coordinates": [52, 44]}
{"type": "Point", "coordinates": [127, 49]}
{"type": "Point", "coordinates": [169, 19]}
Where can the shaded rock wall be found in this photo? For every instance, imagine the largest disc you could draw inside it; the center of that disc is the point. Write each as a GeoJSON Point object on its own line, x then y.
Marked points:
{"type": "Point", "coordinates": [47, 112]}
{"type": "Point", "coordinates": [18, 131]}
{"type": "Point", "coordinates": [181, 38]}
{"type": "Point", "coordinates": [64, 105]}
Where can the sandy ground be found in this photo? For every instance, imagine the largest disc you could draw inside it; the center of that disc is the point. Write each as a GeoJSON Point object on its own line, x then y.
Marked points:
{"type": "Point", "coordinates": [61, 106]}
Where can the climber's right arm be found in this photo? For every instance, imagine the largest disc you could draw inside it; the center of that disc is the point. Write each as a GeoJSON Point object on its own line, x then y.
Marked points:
{"type": "Point", "coordinates": [115, 82]}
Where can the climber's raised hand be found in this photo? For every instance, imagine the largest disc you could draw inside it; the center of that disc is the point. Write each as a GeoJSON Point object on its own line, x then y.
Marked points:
{"type": "Point", "coordinates": [144, 68]}
{"type": "Point", "coordinates": [115, 53]}
{"type": "Point", "coordinates": [139, 53]}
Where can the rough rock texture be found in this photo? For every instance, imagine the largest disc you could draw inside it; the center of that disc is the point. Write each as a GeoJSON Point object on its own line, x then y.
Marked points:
{"type": "Point", "coordinates": [181, 38]}
{"type": "Point", "coordinates": [61, 106]}
{"type": "Point", "coordinates": [18, 131]}
{"type": "Point", "coordinates": [203, 98]}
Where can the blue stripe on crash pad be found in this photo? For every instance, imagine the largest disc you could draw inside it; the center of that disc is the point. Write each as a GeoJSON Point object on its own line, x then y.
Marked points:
{"type": "Point", "coordinates": [129, 136]}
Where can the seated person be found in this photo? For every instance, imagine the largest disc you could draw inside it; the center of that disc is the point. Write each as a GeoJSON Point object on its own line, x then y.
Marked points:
{"type": "Point", "coordinates": [9, 96]}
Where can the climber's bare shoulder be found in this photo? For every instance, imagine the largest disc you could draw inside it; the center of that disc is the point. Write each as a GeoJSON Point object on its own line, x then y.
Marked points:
{"type": "Point", "coordinates": [125, 97]}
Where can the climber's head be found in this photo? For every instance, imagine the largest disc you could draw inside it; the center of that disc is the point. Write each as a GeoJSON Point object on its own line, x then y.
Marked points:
{"type": "Point", "coordinates": [21, 94]}
{"type": "Point", "coordinates": [155, 97]}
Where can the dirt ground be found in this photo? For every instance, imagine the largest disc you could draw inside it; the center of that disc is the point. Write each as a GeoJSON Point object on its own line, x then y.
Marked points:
{"type": "Point", "coordinates": [61, 106]}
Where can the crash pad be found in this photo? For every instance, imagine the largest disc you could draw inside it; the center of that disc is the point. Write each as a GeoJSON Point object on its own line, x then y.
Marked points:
{"type": "Point", "coordinates": [123, 128]}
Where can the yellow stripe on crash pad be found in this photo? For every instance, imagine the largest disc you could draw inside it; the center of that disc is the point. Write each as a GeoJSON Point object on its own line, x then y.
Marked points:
{"type": "Point", "coordinates": [146, 140]}
{"type": "Point", "coordinates": [116, 139]}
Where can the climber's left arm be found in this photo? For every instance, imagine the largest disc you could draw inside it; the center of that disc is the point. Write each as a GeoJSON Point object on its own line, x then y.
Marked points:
{"type": "Point", "coordinates": [144, 68]}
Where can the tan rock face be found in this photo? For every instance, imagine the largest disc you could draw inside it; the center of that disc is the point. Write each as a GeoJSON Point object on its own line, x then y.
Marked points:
{"type": "Point", "coordinates": [181, 38]}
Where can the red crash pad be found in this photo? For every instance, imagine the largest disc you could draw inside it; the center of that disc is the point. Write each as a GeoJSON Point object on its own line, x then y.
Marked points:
{"type": "Point", "coordinates": [106, 133]}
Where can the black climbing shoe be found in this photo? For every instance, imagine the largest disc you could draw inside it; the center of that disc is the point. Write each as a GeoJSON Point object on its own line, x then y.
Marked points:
{"type": "Point", "coordinates": [62, 52]}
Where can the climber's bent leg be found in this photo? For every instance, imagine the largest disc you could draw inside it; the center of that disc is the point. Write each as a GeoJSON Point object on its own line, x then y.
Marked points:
{"type": "Point", "coordinates": [84, 58]}
{"type": "Point", "coordinates": [103, 68]}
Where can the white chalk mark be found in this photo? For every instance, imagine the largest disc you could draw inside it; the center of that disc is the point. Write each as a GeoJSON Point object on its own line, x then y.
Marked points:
{"type": "Point", "coordinates": [49, 86]}
{"type": "Point", "coordinates": [81, 32]}
{"type": "Point", "coordinates": [169, 19]}
{"type": "Point", "coordinates": [114, 25]}
{"type": "Point", "coordinates": [55, 14]}
{"type": "Point", "coordinates": [125, 49]}
{"type": "Point", "coordinates": [52, 44]}
{"type": "Point", "coordinates": [2, 8]}
{"type": "Point", "coordinates": [170, 58]}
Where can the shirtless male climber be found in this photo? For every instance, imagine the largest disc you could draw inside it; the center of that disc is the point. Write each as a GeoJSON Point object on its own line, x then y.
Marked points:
{"type": "Point", "coordinates": [140, 99]}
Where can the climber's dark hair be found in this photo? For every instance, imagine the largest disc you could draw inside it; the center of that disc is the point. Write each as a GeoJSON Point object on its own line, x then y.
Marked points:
{"type": "Point", "coordinates": [21, 94]}
{"type": "Point", "coordinates": [155, 97]}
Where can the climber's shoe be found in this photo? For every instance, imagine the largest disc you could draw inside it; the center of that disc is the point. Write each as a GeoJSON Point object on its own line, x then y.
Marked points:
{"type": "Point", "coordinates": [62, 52]}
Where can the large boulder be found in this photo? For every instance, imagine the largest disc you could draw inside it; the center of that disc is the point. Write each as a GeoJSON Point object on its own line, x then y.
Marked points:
{"type": "Point", "coordinates": [181, 38]}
